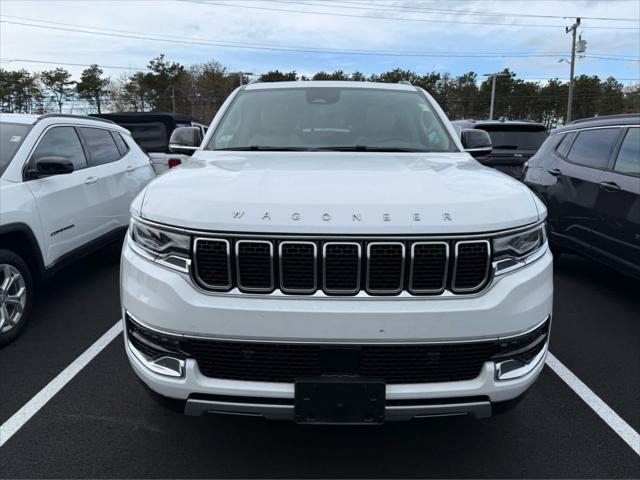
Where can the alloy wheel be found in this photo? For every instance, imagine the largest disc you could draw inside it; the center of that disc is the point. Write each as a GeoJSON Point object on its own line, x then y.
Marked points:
{"type": "Point", "coordinates": [13, 297]}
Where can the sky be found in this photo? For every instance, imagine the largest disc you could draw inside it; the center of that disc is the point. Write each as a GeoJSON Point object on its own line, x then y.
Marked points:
{"type": "Point", "coordinates": [421, 36]}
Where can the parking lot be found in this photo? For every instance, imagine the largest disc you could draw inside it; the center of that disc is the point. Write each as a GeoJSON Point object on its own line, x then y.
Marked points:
{"type": "Point", "coordinates": [102, 423]}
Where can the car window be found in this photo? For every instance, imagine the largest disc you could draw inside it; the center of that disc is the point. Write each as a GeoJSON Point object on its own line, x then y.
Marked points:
{"type": "Point", "coordinates": [592, 148]}
{"type": "Point", "coordinates": [514, 139]}
{"type": "Point", "coordinates": [11, 137]}
{"type": "Point", "coordinates": [563, 147]}
{"type": "Point", "coordinates": [332, 118]}
{"type": "Point", "coordinates": [123, 148]}
{"type": "Point", "coordinates": [61, 142]}
{"type": "Point", "coordinates": [100, 144]}
{"type": "Point", "coordinates": [628, 160]}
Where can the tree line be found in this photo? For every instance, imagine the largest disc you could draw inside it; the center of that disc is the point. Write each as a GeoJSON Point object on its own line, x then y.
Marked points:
{"type": "Point", "coordinates": [199, 90]}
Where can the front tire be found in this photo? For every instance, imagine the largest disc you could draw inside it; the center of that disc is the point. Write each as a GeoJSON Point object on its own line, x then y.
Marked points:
{"type": "Point", "coordinates": [16, 295]}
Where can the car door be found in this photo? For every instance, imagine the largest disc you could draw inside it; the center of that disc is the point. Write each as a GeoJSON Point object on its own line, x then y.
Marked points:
{"type": "Point", "coordinates": [64, 201]}
{"type": "Point", "coordinates": [573, 192]}
{"type": "Point", "coordinates": [616, 236]}
{"type": "Point", "coordinates": [110, 168]}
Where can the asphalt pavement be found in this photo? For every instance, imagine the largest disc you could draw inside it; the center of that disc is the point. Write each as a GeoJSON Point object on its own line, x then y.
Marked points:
{"type": "Point", "coordinates": [104, 424]}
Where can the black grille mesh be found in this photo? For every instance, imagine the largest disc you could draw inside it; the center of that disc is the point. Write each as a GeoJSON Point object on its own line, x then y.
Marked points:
{"type": "Point", "coordinates": [298, 267]}
{"type": "Point", "coordinates": [472, 262]}
{"type": "Point", "coordinates": [255, 265]}
{"type": "Point", "coordinates": [341, 267]}
{"type": "Point", "coordinates": [385, 267]}
{"type": "Point", "coordinates": [213, 263]}
{"type": "Point", "coordinates": [429, 267]}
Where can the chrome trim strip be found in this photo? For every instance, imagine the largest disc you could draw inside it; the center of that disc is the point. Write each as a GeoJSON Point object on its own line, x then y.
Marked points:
{"type": "Point", "coordinates": [329, 342]}
{"type": "Point", "coordinates": [197, 407]}
{"type": "Point", "coordinates": [315, 267]}
{"type": "Point", "coordinates": [455, 267]}
{"type": "Point", "coordinates": [368, 269]}
{"type": "Point", "coordinates": [238, 276]}
{"type": "Point", "coordinates": [324, 269]}
{"type": "Point", "coordinates": [155, 367]}
{"type": "Point", "coordinates": [195, 264]}
{"type": "Point", "coordinates": [347, 237]}
{"type": "Point", "coordinates": [446, 268]}
{"type": "Point", "coordinates": [519, 368]}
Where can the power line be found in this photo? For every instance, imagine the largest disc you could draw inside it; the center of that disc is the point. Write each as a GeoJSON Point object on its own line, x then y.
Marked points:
{"type": "Point", "coordinates": [169, 39]}
{"type": "Point", "coordinates": [422, 20]}
{"type": "Point", "coordinates": [440, 11]}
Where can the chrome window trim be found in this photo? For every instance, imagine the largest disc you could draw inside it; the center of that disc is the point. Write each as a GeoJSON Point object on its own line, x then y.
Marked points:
{"type": "Point", "coordinates": [455, 267]}
{"type": "Point", "coordinates": [239, 277]}
{"type": "Point", "coordinates": [315, 267]}
{"type": "Point", "coordinates": [226, 287]}
{"type": "Point", "coordinates": [324, 269]}
{"type": "Point", "coordinates": [446, 269]}
{"type": "Point", "coordinates": [143, 324]}
{"type": "Point", "coordinates": [368, 271]}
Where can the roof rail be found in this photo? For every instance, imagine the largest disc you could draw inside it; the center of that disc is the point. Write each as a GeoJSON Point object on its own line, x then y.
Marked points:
{"type": "Point", "coordinates": [405, 82]}
{"type": "Point", "coordinates": [604, 117]}
{"type": "Point", "coordinates": [66, 115]}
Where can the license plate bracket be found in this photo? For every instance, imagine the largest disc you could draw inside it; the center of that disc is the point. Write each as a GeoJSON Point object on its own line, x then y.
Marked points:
{"type": "Point", "coordinates": [340, 400]}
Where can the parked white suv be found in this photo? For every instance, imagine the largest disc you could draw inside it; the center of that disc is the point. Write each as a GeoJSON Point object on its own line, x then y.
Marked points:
{"type": "Point", "coordinates": [66, 184]}
{"type": "Point", "coordinates": [331, 254]}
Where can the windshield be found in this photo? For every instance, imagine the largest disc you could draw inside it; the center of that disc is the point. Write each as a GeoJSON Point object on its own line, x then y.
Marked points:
{"type": "Point", "coordinates": [319, 118]}
{"type": "Point", "coordinates": [517, 139]}
{"type": "Point", "coordinates": [11, 137]}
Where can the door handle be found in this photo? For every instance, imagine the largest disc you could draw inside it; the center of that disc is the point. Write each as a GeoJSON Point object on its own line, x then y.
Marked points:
{"type": "Point", "coordinates": [610, 186]}
{"type": "Point", "coordinates": [130, 168]}
{"type": "Point", "coordinates": [90, 180]}
{"type": "Point", "coordinates": [555, 172]}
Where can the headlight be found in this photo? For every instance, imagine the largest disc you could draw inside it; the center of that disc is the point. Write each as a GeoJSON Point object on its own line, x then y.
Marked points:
{"type": "Point", "coordinates": [513, 251]}
{"type": "Point", "coordinates": [168, 248]}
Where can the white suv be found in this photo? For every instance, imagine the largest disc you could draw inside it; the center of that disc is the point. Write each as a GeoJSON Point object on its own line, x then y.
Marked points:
{"type": "Point", "coordinates": [66, 184]}
{"type": "Point", "coordinates": [332, 254]}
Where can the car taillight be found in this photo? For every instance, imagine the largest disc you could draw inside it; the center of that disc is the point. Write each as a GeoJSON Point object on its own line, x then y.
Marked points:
{"type": "Point", "coordinates": [174, 162]}
{"type": "Point", "coordinates": [525, 167]}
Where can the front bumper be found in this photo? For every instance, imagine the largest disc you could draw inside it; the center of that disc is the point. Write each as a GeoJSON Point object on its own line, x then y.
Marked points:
{"type": "Point", "coordinates": [167, 301]}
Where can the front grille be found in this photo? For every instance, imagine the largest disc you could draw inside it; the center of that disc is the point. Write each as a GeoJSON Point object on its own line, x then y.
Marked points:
{"type": "Point", "coordinates": [380, 267]}
{"type": "Point", "coordinates": [285, 362]}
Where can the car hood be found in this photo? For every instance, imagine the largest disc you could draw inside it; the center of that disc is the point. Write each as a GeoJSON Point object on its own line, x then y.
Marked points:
{"type": "Point", "coordinates": [338, 192]}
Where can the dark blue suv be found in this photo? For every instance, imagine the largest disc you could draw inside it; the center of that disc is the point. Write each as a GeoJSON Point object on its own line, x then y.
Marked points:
{"type": "Point", "coordinates": [588, 175]}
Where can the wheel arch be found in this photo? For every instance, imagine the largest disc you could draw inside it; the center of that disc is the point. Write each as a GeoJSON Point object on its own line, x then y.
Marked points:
{"type": "Point", "coordinates": [19, 238]}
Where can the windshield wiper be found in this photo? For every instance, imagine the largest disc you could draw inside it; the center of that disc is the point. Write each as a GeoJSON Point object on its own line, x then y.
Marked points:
{"type": "Point", "coordinates": [265, 148]}
{"type": "Point", "coordinates": [365, 148]}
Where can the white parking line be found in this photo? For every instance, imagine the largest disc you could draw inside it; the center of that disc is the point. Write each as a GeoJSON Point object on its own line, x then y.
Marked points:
{"type": "Point", "coordinates": [22, 416]}
{"type": "Point", "coordinates": [604, 411]}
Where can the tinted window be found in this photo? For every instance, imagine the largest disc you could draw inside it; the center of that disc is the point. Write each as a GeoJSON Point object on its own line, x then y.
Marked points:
{"type": "Point", "coordinates": [100, 144]}
{"type": "Point", "coordinates": [61, 142]}
{"type": "Point", "coordinates": [332, 118]}
{"type": "Point", "coordinates": [565, 143]}
{"type": "Point", "coordinates": [592, 148]}
{"type": "Point", "coordinates": [628, 160]}
{"type": "Point", "coordinates": [123, 148]}
{"type": "Point", "coordinates": [11, 137]}
{"type": "Point", "coordinates": [151, 136]}
{"type": "Point", "coordinates": [517, 139]}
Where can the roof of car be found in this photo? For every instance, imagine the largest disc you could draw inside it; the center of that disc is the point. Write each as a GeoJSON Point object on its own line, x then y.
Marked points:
{"type": "Point", "coordinates": [25, 118]}
{"type": "Point", "coordinates": [329, 84]}
{"type": "Point", "coordinates": [32, 119]}
{"type": "Point", "coordinates": [603, 121]}
{"type": "Point", "coordinates": [120, 116]}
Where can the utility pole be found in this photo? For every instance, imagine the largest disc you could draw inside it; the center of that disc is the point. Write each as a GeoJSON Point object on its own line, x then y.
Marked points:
{"type": "Point", "coordinates": [173, 98]}
{"type": "Point", "coordinates": [573, 29]}
{"type": "Point", "coordinates": [493, 89]}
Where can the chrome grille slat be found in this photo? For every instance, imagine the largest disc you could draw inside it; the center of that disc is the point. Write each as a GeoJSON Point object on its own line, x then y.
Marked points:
{"type": "Point", "coordinates": [341, 267]}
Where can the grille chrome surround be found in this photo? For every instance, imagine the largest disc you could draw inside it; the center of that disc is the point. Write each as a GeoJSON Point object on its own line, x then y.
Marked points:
{"type": "Point", "coordinates": [282, 267]}
{"type": "Point", "coordinates": [484, 279]}
{"type": "Point", "coordinates": [341, 291]}
{"type": "Point", "coordinates": [239, 267]}
{"type": "Point", "coordinates": [330, 266]}
{"type": "Point", "coordinates": [385, 291]}
{"type": "Point", "coordinates": [412, 273]}
{"type": "Point", "coordinates": [197, 266]}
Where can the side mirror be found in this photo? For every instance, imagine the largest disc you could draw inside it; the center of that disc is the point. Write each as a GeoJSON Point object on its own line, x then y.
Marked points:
{"type": "Point", "coordinates": [48, 166]}
{"type": "Point", "coordinates": [185, 140]}
{"type": "Point", "coordinates": [477, 142]}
